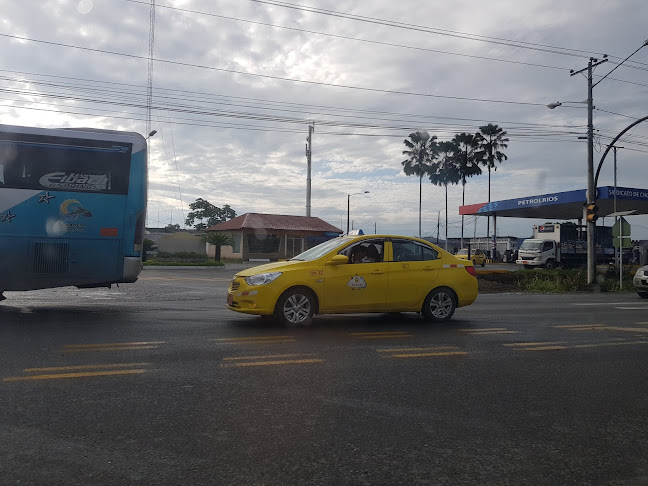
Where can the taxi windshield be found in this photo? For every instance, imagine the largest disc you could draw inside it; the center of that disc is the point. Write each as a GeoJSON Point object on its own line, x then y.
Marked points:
{"type": "Point", "coordinates": [322, 249]}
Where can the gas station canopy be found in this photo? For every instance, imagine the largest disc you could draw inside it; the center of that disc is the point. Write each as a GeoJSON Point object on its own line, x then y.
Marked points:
{"type": "Point", "coordinates": [563, 205]}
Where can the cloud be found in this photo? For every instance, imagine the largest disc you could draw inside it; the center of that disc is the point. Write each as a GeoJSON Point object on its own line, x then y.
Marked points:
{"type": "Point", "coordinates": [239, 139]}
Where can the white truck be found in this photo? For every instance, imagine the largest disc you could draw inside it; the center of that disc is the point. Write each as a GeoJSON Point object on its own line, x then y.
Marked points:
{"type": "Point", "coordinates": [563, 244]}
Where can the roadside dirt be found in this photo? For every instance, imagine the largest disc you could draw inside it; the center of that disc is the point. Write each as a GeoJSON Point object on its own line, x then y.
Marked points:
{"type": "Point", "coordinates": [492, 283]}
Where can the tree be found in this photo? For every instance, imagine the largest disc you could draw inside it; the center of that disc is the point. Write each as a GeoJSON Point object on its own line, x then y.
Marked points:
{"type": "Point", "coordinates": [172, 227]}
{"type": "Point", "coordinates": [444, 171]}
{"type": "Point", "coordinates": [204, 210]}
{"type": "Point", "coordinates": [467, 163]}
{"type": "Point", "coordinates": [218, 240]}
{"type": "Point", "coordinates": [493, 140]}
{"type": "Point", "coordinates": [422, 150]}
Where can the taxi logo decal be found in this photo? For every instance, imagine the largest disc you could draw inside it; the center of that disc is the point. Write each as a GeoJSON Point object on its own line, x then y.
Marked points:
{"type": "Point", "coordinates": [316, 273]}
{"type": "Point", "coordinates": [357, 282]}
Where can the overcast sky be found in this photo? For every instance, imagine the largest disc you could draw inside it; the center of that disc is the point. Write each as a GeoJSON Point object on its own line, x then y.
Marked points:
{"type": "Point", "coordinates": [236, 83]}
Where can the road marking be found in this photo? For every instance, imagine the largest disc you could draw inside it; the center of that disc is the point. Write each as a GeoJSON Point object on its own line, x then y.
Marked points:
{"type": "Point", "coordinates": [272, 363]}
{"type": "Point", "coordinates": [84, 367]}
{"type": "Point", "coordinates": [256, 340]}
{"type": "Point", "coordinates": [294, 355]}
{"type": "Point", "coordinates": [601, 327]}
{"type": "Point", "coordinates": [423, 352]}
{"type": "Point", "coordinates": [87, 374]}
{"type": "Point", "coordinates": [423, 355]}
{"type": "Point", "coordinates": [105, 347]}
{"type": "Point", "coordinates": [112, 344]}
{"type": "Point", "coordinates": [382, 335]}
{"type": "Point", "coordinates": [492, 330]}
{"type": "Point", "coordinates": [576, 346]}
{"type": "Point", "coordinates": [631, 308]}
{"type": "Point", "coordinates": [546, 343]}
{"type": "Point", "coordinates": [577, 326]}
{"type": "Point", "coordinates": [399, 350]}
{"type": "Point", "coordinates": [604, 303]}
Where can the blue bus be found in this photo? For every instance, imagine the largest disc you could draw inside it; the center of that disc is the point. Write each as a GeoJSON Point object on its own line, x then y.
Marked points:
{"type": "Point", "coordinates": [72, 207]}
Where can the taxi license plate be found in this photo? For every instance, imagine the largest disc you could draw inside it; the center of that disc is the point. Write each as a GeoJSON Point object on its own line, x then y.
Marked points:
{"type": "Point", "coordinates": [230, 299]}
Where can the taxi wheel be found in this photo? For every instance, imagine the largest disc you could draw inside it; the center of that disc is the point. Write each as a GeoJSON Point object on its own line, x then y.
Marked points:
{"type": "Point", "coordinates": [439, 305]}
{"type": "Point", "coordinates": [296, 307]}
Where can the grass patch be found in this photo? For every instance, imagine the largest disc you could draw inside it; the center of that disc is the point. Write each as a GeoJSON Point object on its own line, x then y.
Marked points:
{"type": "Point", "coordinates": [553, 281]}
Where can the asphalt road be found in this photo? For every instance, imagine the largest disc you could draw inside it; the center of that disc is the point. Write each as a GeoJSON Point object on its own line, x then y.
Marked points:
{"type": "Point", "coordinates": [157, 382]}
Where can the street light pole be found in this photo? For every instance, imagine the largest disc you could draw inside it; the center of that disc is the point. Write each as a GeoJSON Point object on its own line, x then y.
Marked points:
{"type": "Point", "coordinates": [349, 206]}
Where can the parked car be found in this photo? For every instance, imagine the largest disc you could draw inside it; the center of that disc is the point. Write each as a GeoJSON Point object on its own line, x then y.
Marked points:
{"type": "Point", "coordinates": [401, 274]}
{"type": "Point", "coordinates": [477, 256]}
{"type": "Point", "coordinates": [640, 281]}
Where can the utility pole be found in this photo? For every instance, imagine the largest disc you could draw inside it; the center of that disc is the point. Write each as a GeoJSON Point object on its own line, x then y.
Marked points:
{"type": "Point", "coordinates": [591, 188]}
{"type": "Point", "coordinates": [309, 150]}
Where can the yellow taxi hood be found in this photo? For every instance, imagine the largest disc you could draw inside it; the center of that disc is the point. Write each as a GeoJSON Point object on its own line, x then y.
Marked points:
{"type": "Point", "coordinates": [271, 267]}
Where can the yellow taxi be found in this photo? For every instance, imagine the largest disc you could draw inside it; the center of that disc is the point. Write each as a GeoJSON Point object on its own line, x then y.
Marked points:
{"type": "Point", "coordinates": [478, 257]}
{"type": "Point", "coordinates": [357, 274]}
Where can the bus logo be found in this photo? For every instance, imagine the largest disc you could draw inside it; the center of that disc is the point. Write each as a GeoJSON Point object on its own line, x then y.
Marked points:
{"type": "Point", "coordinates": [71, 210]}
{"type": "Point", "coordinates": [74, 181]}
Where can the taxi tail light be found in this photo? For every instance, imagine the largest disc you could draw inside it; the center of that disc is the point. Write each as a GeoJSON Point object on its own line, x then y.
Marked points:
{"type": "Point", "coordinates": [471, 270]}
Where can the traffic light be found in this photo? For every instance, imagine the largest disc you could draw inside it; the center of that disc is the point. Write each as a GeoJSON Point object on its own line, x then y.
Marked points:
{"type": "Point", "coordinates": [591, 210]}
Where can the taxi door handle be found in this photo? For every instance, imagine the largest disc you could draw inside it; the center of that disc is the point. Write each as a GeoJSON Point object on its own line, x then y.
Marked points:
{"type": "Point", "coordinates": [375, 272]}
{"type": "Point", "coordinates": [428, 268]}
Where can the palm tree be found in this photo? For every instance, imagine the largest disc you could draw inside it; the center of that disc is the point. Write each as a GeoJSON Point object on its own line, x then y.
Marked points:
{"type": "Point", "coordinates": [494, 139]}
{"type": "Point", "coordinates": [444, 172]}
{"type": "Point", "coordinates": [467, 163]}
{"type": "Point", "coordinates": [218, 239]}
{"type": "Point", "coordinates": [422, 150]}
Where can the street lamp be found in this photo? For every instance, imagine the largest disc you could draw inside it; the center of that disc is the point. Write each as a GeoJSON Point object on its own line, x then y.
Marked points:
{"type": "Point", "coordinates": [349, 206]}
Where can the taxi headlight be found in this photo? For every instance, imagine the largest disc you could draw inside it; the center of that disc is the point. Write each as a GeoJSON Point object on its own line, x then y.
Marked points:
{"type": "Point", "coordinates": [262, 278]}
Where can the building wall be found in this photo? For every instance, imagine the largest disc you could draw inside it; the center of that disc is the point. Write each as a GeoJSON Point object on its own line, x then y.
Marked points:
{"type": "Point", "coordinates": [181, 241]}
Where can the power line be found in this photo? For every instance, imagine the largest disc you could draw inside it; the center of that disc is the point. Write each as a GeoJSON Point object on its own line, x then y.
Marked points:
{"type": "Point", "coordinates": [277, 78]}
{"type": "Point", "coordinates": [414, 27]}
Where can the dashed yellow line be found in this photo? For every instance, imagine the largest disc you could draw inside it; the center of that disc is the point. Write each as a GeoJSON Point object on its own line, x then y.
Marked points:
{"type": "Point", "coordinates": [240, 358]}
{"type": "Point", "coordinates": [492, 330]}
{"type": "Point", "coordinates": [84, 367]}
{"type": "Point", "coordinates": [399, 350]}
{"type": "Point", "coordinates": [382, 335]}
{"type": "Point", "coordinates": [582, 346]}
{"type": "Point", "coordinates": [426, 355]}
{"type": "Point", "coordinates": [576, 327]}
{"type": "Point", "coordinates": [422, 352]}
{"type": "Point", "coordinates": [106, 347]}
{"type": "Point", "coordinates": [87, 374]}
{"type": "Point", "coordinates": [272, 363]}
{"type": "Point", "coordinates": [257, 340]}
{"type": "Point", "coordinates": [545, 343]}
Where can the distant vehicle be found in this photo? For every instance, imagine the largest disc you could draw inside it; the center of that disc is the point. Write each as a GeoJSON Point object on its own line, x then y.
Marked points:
{"type": "Point", "coordinates": [72, 207]}
{"type": "Point", "coordinates": [409, 275]}
{"type": "Point", "coordinates": [563, 244]}
{"type": "Point", "coordinates": [640, 281]}
{"type": "Point", "coordinates": [477, 256]}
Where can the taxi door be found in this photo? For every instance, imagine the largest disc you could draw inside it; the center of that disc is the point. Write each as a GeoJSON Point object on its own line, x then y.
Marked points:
{"type": "Point", "coordinates": [357, 287]}
{"type": "Point", "coordinates": [412, 271]}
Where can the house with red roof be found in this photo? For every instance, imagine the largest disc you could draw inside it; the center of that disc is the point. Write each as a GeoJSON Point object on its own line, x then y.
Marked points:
{"type": "Point", "coordinates": [268, 237]}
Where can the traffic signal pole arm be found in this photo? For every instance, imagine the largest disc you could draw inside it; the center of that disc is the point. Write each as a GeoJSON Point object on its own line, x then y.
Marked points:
{"type": "Point", "coordinates": [598, 171]}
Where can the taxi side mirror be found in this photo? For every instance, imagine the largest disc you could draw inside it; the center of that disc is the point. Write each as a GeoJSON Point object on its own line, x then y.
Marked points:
{"type": "Point", "coordinates": [338, 260]}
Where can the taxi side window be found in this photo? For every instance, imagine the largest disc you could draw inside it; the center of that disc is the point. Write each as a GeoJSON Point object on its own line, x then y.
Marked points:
{"type": "Point", "coordinates": [409, 251]}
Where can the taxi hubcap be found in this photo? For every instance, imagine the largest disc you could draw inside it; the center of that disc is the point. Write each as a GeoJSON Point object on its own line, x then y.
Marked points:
{"type": "Point", "coordinates": [297, 308]}
{"type": "Point", "coordinates": [440, 305]}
